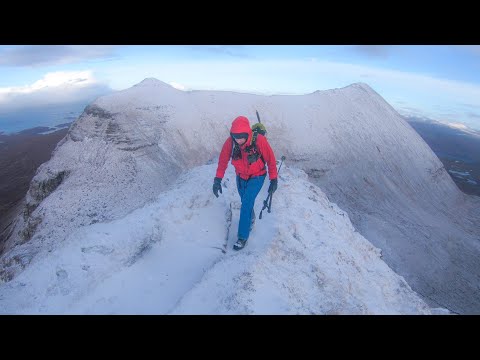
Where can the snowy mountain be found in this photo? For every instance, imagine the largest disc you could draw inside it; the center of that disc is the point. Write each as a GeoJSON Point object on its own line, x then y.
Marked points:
{"type": "Point", "coordinates": [174, 256]}
{"type": "Point", "coordinates": [131, 147]}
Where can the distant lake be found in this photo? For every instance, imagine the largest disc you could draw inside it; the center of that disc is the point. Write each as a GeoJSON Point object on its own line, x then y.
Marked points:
{"type": "Point", "coordinates": [49, 117]}
{"type": "Point", "coordinates": [464, 158]}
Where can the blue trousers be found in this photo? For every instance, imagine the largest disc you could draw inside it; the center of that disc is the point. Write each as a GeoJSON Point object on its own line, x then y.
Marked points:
{"type": "Point", "coordinates": [248, 190]}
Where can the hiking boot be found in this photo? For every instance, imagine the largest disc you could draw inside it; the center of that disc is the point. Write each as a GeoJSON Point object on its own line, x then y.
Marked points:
{"type": "Point", "coordinates": [240, 244]}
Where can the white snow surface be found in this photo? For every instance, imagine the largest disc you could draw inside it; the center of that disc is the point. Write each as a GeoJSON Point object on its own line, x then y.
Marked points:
{"type": "Point", "coordinates": [129, 147]}
{"type": "Point", "coordinates": [304, 257]}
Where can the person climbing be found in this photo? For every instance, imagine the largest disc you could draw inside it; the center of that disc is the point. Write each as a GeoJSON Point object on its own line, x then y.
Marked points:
{"type": "Point", "coordinates": [249, 157]}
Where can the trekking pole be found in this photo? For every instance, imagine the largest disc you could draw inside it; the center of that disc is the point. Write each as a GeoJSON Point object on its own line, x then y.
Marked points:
{"type": "Point", "coordinates": [270, 204]}
{"type": "Point", "coordinates": [266, 203]}
{"type": "Point", "coordinates": [278, 172]}
{"type": "Point", "coordinates": [283, 158]}
{"type": "Point", "coordinates": [258, 117]}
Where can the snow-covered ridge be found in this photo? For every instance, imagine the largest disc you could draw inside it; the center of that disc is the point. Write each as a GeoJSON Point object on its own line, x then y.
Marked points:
{"type": "Point", "coordinates": [128, 147]}
{"type": "Point", "coordinates": [304, 257]}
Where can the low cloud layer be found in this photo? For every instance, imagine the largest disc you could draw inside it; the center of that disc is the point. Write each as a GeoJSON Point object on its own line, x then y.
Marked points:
{"type": "Point", "coordinates": [42, 55]}
{"type": "Point", "coordinates": [178, 86]}
{"type": "Point", "coordinates": [54, 88]}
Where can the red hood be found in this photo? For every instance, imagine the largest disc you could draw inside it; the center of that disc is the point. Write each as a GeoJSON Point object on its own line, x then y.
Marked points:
{"type": "Point", "coordinates": [241, 125]}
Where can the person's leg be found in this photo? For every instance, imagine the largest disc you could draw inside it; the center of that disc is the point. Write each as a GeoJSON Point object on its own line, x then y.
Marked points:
{"type": "Point", "coordinates": [241, 184]}
{"type": "Point", "coordinates": [248, 195]}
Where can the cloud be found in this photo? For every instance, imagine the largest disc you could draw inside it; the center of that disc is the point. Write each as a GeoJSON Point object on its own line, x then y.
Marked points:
{"type": "Point", "coordinates": [54, 88]}
{"type": "Point", "coordinates": [409, 111]}
{"type": "Point", "coordinates": [178, 86]}
{"type": "Point", "coordinates": [231, 50]}
{"type": "Point", "coordinates": [457, 126]}
{"type": "Point", "coordinates": [44, 55]}
{"type": "Point", "coordinates": [373, 50]}
{"type": "Point", "coordinates": [475, 49]}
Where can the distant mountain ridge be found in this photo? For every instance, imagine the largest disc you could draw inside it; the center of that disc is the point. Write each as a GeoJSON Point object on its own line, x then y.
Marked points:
{"type": "Point", "coordinates": [128, 147]}
{"type": "Point", "coordinates": [457, 148]}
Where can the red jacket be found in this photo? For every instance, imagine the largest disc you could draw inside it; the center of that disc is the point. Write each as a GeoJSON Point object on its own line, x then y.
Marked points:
{"type": "Point", "coordinates": [242, 167]}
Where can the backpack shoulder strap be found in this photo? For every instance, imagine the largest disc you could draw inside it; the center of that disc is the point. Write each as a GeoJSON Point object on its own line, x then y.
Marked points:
{"type": "Point", "coordinates": [254, 145]}
{"type": "Point", "coordinates": [254, 139]}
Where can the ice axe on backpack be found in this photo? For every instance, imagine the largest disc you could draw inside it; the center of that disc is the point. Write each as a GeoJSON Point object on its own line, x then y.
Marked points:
{"type": "Point", "coordinates": [258, 117]}
{"type": "Point", "coordinates": [267, 203]}
{"type": "Point", "coordinates": [258, 128]}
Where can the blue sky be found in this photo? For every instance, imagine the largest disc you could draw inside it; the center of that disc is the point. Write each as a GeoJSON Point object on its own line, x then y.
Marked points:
{"type": "Point", "coordinates": [439, 82]}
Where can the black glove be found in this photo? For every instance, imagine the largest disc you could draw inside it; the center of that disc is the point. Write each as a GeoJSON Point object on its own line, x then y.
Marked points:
{"type": "Point", "coordinates": [217, 186]}
{"type": "Point", "coordinates": [273, 186]}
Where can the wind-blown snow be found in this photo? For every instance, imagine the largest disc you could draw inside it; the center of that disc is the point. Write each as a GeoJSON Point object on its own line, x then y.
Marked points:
{"type": "Point", "coordinates": [129, 147]}
{"type": "Point", "coordinates": [304, 257]}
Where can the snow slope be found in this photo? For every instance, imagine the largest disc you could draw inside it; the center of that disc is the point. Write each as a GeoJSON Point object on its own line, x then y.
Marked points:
{"type": "Point", "coordinates": [304, 257]}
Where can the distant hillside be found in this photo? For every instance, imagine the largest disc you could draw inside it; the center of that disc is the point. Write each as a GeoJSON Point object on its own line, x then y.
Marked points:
{"type": "Point", "coordinates": [458, 150]}
{"type": "Point", "coordinates": [20, 156]}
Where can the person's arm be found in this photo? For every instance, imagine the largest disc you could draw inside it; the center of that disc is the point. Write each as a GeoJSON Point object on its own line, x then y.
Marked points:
{"type": "Point", "coordinates": [268, 156]}
{"type": "Point", "coordinates": [224, 158]}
